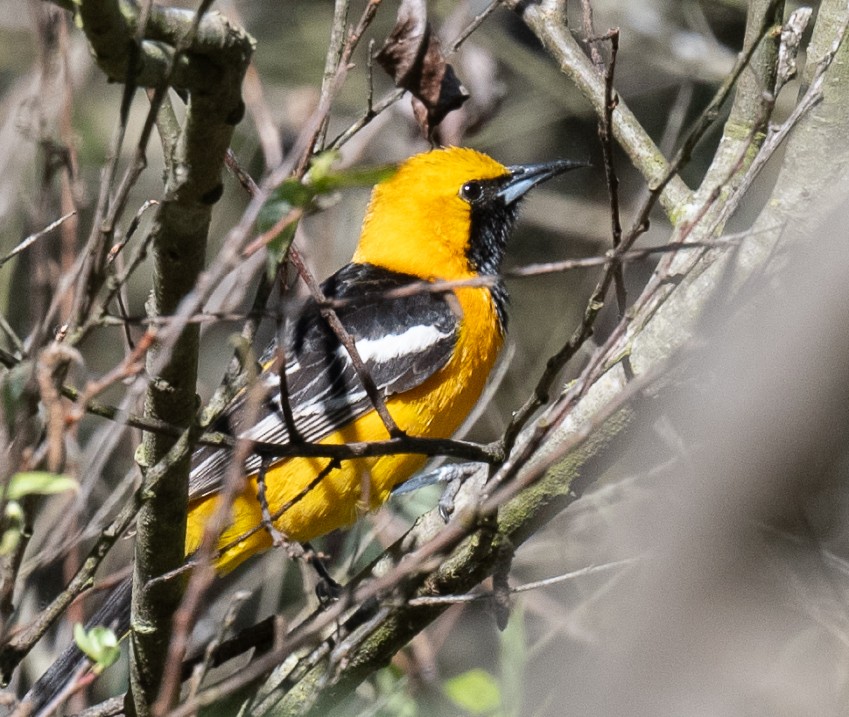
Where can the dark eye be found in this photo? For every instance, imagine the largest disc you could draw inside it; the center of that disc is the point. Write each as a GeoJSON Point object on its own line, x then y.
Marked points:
{"type": "Point", "coordinates": [471, 191]}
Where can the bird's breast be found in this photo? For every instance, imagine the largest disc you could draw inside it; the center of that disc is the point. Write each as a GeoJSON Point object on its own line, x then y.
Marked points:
{"type": "Point", "coordinates": [439, 405]}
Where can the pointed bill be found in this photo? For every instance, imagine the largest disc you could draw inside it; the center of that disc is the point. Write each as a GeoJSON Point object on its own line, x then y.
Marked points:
{"type": "Point", "coordinates": [524, 177]}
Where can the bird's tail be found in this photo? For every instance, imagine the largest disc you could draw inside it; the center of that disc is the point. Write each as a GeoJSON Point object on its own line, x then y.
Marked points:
{"type": "Point", "coordinates": [53, 684]}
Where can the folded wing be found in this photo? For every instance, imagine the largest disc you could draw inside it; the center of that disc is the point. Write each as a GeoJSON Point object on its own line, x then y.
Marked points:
{"type": "Point", "coordinates": [403, 336]}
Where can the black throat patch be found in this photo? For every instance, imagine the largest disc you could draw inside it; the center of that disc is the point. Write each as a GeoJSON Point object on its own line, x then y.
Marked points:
{"type": "Point", "coordinates": [491, 225]}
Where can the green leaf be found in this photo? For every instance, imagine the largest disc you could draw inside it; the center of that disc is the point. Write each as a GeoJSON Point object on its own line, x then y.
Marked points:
{"type": "Point", "coordinates": [9, 541]}
{"type": "Point", "coordinates": [39, 483]}
{"type": "Point", "coordinates": [23, 484]}
{"type": "Point", "coordinates": [278, 247]}
{"type": "Point", "coordinates": [354, 177]}
{"type": "Point", "coordinates": [295, 194]}
{"type": "Point", "coordinates": [272, 212]}
{"type": "Point", "coordinates": [100, 645]}
{"type": "Point", "coordinates": [323, 178]}
{"type": "Point", "coordinates": [475, 691]}
{"type": "Point", "coordinates": [320, 179]}
{"type": "Point", "coordinates": [320, 165]}
{"type": "Point", "coordinates": [14, 523]}
{"type": "Point", "coordinates": [289, 195]}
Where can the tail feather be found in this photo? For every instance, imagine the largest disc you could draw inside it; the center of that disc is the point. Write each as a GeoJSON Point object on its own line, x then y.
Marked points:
{"type": "Point", "coordinates": [115, 614]}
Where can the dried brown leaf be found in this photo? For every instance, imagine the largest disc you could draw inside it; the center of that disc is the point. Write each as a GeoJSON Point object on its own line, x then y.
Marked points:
{"type": "Point", "coordinates": [412, 56]}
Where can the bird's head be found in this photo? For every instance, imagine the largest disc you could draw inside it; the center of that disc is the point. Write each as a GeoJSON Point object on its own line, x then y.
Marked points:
{"type": "Point", "coordinates": [448, 213]}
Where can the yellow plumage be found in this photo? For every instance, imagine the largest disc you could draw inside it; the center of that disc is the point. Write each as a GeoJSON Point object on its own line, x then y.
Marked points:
{"type": "Point", "coordinates": [417, 224]}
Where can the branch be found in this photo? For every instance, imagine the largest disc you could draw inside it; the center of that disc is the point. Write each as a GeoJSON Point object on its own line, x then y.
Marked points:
{"type": "Point", "coordinates": [179, 247]}
{"type": "Point", "coordinates": [206, 56]}
{"type": "Point", "coordinates": [547, 21]}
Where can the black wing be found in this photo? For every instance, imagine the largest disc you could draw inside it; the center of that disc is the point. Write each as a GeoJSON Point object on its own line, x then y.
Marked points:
{"type": "Point", "coordinates": [402, 342]}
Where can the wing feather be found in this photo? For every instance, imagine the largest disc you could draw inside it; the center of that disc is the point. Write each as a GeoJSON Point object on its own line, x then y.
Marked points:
{"type": "Point", "coordinates": [402, 342]}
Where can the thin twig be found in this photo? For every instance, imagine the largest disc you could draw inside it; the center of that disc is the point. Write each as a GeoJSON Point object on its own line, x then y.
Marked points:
{"type": "Point", "coordinates": [333, 57]}
{"type": "Point", "coordinates": [13, 337]}
{"type": "Point", "coordinates": [266, 129]}
{"type": "Point", "coordinates": [32, 238]}
{"type": "Point", "coordinates": [476, 22]}
{"type": "Point", "coordinates": [292, 430]}
{"type": "Point", "coordinates": [336, 326]}
{"type": "Point", "coordinates": [267, 521]}
{"type": "Point", "coordinates": [605, 131]}
{"type": "Point", "coordinates": [131, 230]}
{"type": "Point", "coordinates": [116, 283]}
{"type": "Point", "coordinates": [525, 587]}
{"type": "Point", "coordinates": [588, 29]}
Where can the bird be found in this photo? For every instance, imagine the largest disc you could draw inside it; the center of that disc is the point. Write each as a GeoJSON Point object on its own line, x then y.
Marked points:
{"type": "Point", "coordinates": [445, 215]}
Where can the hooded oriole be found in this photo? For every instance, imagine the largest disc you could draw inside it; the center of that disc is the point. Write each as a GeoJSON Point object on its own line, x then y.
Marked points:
{"type": "Point", "coordinates": [444, 215]}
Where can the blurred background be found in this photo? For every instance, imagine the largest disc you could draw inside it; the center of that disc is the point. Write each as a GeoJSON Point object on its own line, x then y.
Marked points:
{"type": "Point", "coordinates": [701, 601]}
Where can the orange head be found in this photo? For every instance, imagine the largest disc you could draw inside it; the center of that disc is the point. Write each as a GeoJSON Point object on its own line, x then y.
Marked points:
{"type": "Point", "coordinates": [447, 213]}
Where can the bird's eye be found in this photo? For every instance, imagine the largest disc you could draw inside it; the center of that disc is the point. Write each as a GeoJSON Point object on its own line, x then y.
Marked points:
{"type": "Point", "coordinates": [471, 191]}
